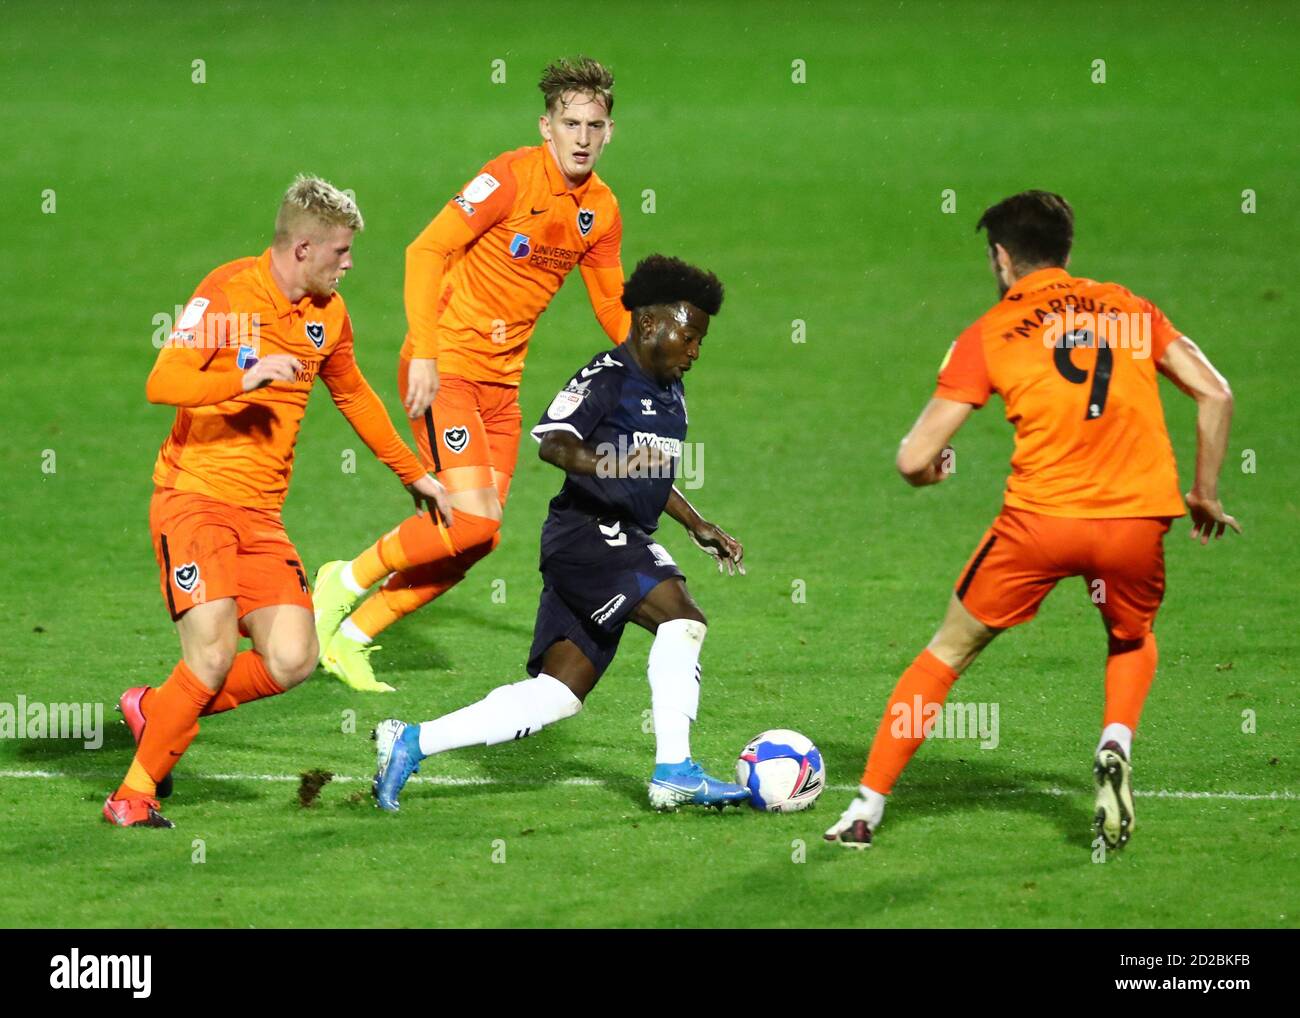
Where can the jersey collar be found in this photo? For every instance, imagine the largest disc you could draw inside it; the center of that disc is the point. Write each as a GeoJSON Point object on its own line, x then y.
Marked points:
{"type": "Point", "coordinates": [1036, 280]}
{"type": "Point", "coordinates": [556, 179]}
{"type": "Point", "coordinates": [278, 298]}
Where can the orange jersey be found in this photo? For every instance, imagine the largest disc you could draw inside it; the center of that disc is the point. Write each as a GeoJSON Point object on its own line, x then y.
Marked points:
{"type": "Point", "coordinates": [1074, 361]}
{"type": "Point", "coordinates": [237, 446]}
{"type": "Point", "coordinates": [483, 271]}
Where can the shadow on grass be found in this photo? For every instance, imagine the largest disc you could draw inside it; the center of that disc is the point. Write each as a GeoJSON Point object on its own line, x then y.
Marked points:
{"type": "Point", "coordinates": [56, 754]}
{"type": "Point", "coordinates": [414, 644]}
{"type": "Point", "coordinates": [935, 788]}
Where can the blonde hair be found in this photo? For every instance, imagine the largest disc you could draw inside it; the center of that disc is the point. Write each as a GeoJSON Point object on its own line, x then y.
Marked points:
{"type": "Point", "coordinates": [312, 203]}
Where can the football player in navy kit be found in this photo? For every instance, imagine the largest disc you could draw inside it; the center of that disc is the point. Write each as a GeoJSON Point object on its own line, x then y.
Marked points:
{"type": "Point", "coordinates": [616, 430]}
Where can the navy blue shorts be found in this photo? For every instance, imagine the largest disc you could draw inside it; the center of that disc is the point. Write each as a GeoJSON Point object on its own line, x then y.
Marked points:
{"type": "Point", "coordinates": [592, 584]}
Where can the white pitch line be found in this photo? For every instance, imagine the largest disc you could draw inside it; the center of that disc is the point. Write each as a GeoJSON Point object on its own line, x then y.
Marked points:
{"type": "Point", "coordinates": [448, 781]}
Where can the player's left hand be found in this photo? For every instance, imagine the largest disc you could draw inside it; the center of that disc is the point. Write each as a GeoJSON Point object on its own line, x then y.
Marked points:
{"type": "Point", "coordinates": [938, 469]}
{"type": "Point", "coordinates": [944, 464]}
{"type": "Point", "coordinates": [1208, 517]}
{"type": "Point", "coordinates": [722, 546]}
{"type": "Point", "coordinates": [429, 493]}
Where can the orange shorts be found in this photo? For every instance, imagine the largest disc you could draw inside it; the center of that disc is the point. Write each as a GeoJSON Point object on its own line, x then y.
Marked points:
{"type": "Point", "coordinates": [1023, 555]}
{"type": "Point", "coordinates": [471, 424]}
{"type": "Point", "coordinates": [208, 549]}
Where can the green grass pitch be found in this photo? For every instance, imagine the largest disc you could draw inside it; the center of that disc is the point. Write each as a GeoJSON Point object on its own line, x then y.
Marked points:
{"type": "Point", "coordinates": [815, 201]}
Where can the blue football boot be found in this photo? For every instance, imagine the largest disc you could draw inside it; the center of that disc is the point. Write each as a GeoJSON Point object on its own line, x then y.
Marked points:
{"type": "Point", "coordinates": [397, 751]}
{"type": "Point", "coordinates": [686, 784]}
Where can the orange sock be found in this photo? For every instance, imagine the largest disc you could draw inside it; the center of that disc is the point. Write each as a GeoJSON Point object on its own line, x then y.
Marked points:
{"type": "Point", "coordinates": [927, 681]}
{"type": "Point", "coordinates": [418, 541]}
{"type": "Point", "coordinates": [410, 589]}
{"type": "Point", "coordinates": [398, 598]}
{"type": "Point", "coordinates": [369, 567]}
{"type": "Point", "coordinates": [1128, 680]}
{"type": "Point", "coordinates": [247, 680]}
{"type": "Point", "coordinates": [173, 722]}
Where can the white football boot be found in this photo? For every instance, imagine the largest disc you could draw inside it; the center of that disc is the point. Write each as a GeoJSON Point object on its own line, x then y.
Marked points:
{"type": "Point", "coordinates": [858, 823]}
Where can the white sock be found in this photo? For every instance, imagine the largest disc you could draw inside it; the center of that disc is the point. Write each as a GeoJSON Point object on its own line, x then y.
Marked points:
{"type": "Point", "coordinates": [350, 581]}
{"type": "Point", "coordinates": [353, 632]}
{"type": "Point", "coordinates": [674, 672]}
{"type": "Point", "coordinates": [506, 713]}
{"type": "Point", "coordinates": [872, 806]}
{"type": "Point", "coordinates": [1115, 732]}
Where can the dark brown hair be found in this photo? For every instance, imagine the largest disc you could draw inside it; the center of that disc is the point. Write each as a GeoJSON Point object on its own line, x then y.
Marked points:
{"type": "Point", "coordinates": [1036, 227]}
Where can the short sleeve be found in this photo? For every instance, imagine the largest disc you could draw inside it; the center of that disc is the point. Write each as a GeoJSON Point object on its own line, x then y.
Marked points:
{"type": "Point", "coordinates": [606, 252]}
{"type": "Point", "coordinates": [582, 404]}
{"type": "Point", "coordinates": [964, 373]}
{"type": "Point", "coordinates": [1163, 331]}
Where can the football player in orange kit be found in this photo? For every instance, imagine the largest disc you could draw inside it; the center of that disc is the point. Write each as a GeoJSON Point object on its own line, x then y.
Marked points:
{"type": "Point", "coordinates": [477, 279]}
{"type": "Point", "coordinates": [239, 368]}
{"type": "Point", "coordinates": [1093, 487]}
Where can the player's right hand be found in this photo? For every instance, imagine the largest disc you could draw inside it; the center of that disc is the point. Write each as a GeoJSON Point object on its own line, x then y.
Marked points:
{"type": "Point", "coordinates": [421, 386]}
{"type": "Point", "coordinates": [1208, 518]}
{"type": "Point", "coordinates": [429, 492]}
{"type": "Point", "coordinates": [274, 367]}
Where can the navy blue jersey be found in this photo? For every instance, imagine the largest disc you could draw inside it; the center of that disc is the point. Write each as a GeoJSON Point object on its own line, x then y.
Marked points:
{"type": "Point", "coordinates": [614, 407]}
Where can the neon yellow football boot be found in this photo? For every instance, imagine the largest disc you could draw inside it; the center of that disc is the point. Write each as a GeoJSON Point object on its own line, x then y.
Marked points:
{"type": "Point", "coordinates": [332, 602]}
{"type": "Point", "coordinates": [349, 660]}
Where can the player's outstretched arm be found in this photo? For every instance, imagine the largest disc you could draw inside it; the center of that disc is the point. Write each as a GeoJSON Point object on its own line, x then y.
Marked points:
{"type": "Point", "coordinates": [708, 537]}
{"type": "Point", "coordinates": [924, 456]}
{"type": "Point", "coordinates": [482, 203]}
{"type": "Point", "coordinates": [364, 410]}
{"type": "Point", "coordinates": [602, 274]}
{"type": "Point", "coordinates": [605, 290]}
{"type": "Point", "coordinates": [427, 258]}
{"type": "Point", "coordinates": [1190, 370]}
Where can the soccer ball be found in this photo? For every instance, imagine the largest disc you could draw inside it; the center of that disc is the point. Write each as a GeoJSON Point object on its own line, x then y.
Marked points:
{"type": "Point", "coordinates": [783, 771]}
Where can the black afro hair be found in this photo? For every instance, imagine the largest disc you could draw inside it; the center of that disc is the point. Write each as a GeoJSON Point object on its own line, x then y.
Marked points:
{"type": "Point", "coordinates": [659, 279]}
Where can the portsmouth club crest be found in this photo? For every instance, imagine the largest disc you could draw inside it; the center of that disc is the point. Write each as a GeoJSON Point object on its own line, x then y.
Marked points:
{"type": "Point", "coordinates": [186, 577]}
{"type": "Point", "coordinates": [456, 438]}
{"type": "Point", "coordinates": [316, 333]}
{"type": "Point", "coordinates": [586, 220]}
